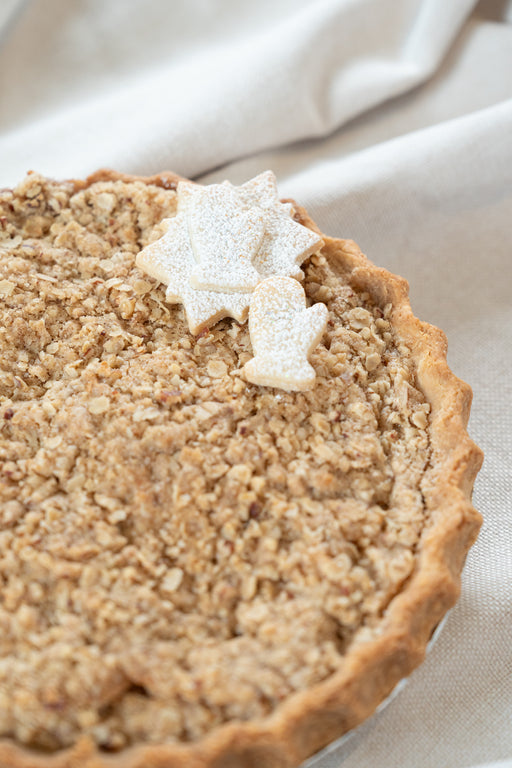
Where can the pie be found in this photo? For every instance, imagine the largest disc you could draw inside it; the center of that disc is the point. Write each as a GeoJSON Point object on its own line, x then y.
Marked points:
{"type": "Point", "coordinates": [196, 570]}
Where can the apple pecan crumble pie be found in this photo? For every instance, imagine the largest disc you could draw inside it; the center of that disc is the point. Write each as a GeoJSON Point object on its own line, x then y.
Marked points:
{"type": "Point", "coordinates": [196, 570]}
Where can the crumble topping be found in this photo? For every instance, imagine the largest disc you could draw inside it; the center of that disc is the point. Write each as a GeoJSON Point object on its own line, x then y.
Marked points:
{"type": "Point", "coordinates": [178, 547]}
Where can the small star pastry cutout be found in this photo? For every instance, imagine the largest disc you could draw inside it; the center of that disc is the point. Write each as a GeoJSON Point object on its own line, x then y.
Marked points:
{"type": "Point", "coordinates": [223, 241]}
{"type": "Point", "coordinates": [286, 243]}
{"type": "Point", "coordinates": [225, 236]}
{"type": "Point", "coordinates": [170, 260]}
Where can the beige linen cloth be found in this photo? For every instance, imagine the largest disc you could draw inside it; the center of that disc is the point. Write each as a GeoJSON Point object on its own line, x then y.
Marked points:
{"type": "Point", "coordinates": [391, 121]}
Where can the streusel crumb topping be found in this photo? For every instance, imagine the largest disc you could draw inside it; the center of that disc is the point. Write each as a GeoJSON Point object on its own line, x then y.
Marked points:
{"type": "Point", "coordinates": [179, 547]}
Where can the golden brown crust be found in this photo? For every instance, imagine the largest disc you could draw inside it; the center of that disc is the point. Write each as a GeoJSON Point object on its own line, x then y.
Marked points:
{"type": "Point", "coordinates": [309, 720]}
{"type": "Point", "coordinates": [166, 179]}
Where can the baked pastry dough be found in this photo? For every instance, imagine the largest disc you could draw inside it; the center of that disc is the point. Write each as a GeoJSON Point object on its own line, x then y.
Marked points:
{"type": "Point", "coordinates": [196, 570]}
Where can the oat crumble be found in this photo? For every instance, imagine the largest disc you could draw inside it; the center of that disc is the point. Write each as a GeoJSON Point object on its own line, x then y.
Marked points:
{"type": "Point", "coordinates": [178, 547]}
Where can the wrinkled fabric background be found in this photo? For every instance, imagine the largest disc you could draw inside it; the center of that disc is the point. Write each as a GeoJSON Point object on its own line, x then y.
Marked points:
{"type": "Point", "coordinates": [391, 121]}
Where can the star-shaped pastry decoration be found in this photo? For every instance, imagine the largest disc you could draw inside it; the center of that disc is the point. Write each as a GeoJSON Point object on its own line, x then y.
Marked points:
{"type": "Point", "coordinates": [171, 261]}
{"type": "Point", "coordinates": [225, 236]}
{"type": "Point", "coordinates": [286, 243]}
{"type": "Point", "coordinates": [222, 242]}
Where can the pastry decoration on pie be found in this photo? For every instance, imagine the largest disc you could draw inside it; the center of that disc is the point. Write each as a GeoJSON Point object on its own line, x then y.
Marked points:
{"type": "Point", "coordinates": [283, 334]}
{"type": "Point", "coordinates": [201, 565]}
{"type": "Point", "coordinates": [222, 241]}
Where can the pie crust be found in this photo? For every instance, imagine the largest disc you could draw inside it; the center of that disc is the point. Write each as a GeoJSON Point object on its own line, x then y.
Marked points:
{"type": "Point", "coordinates": [392, 433]}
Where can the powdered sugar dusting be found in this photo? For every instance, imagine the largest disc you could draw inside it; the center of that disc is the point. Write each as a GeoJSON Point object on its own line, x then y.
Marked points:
{"type": "Point", "coordinates": [285, 246]}
{"type": "Point", "coordinates": [283, 334]}
{"type": "Point", "coordinates": [222, 243]}
{"type": "Point", "coordinates": [170, 260]}
{"type": "Point", "coordinates": [225, 238]}
{"type": "Point", "coordinates": [286, 243]}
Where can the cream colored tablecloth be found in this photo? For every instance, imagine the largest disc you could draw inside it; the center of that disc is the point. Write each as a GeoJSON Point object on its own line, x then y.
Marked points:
{"type": "Point", "coordinates": [391, 121]}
